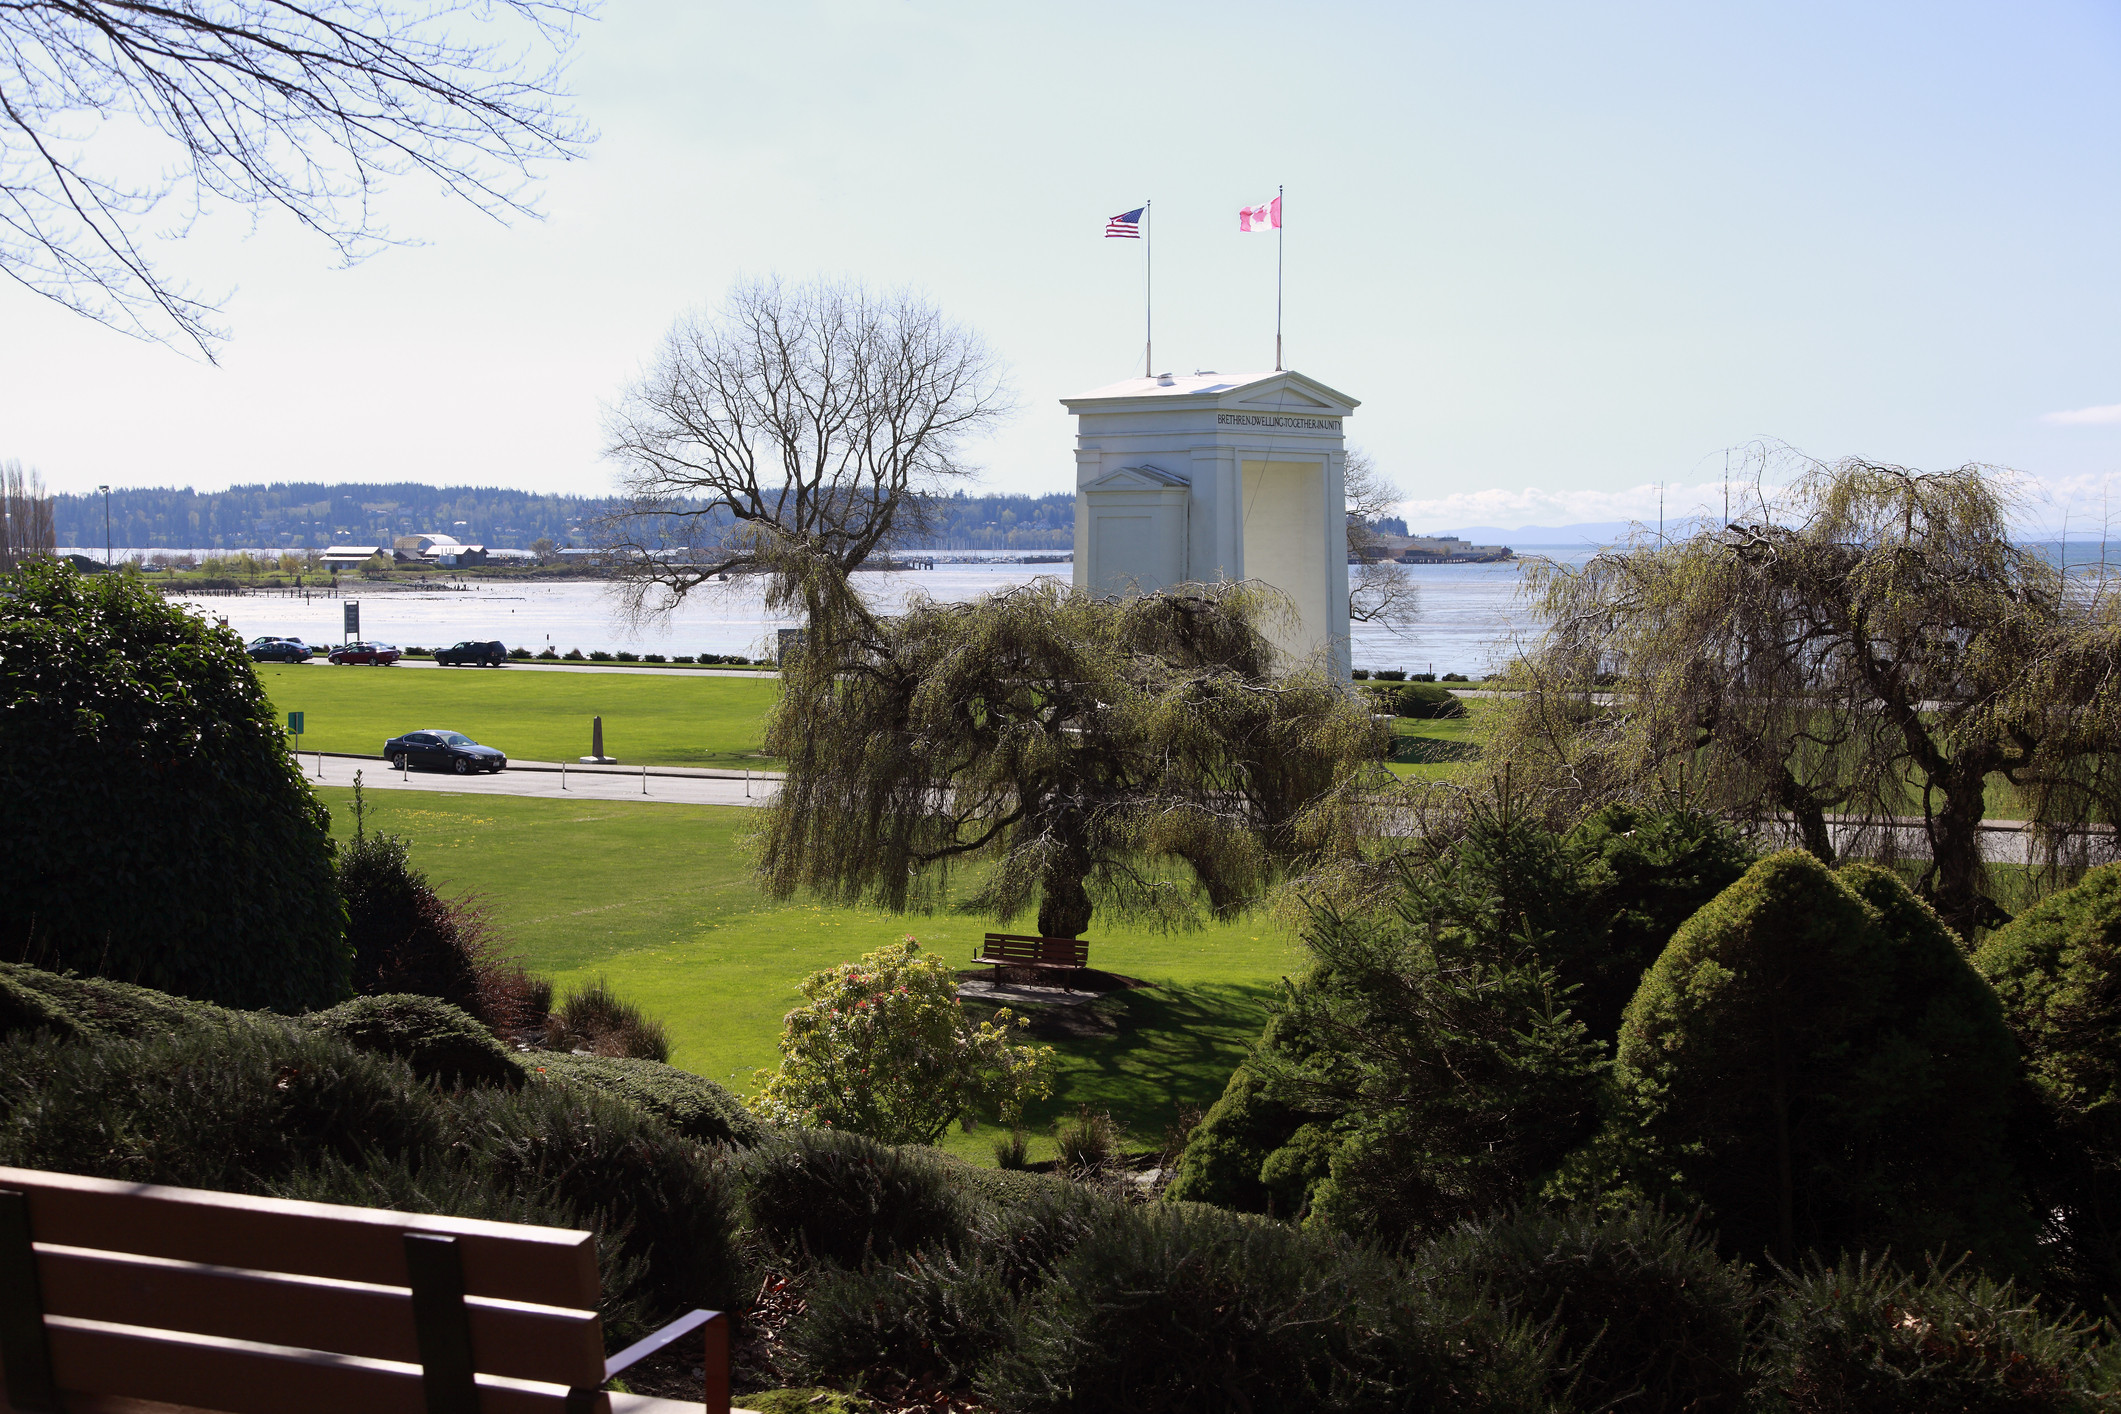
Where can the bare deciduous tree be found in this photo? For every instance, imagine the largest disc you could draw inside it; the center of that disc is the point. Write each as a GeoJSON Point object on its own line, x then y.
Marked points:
{"type": "Point", "coordinates": [26, 528]}
{"type": "Point", "coordinates": [262, 104]}
{"type": "Point", "coordinates": [1382, 592]}
{"type": "Point", "coordinates": [795, 430]}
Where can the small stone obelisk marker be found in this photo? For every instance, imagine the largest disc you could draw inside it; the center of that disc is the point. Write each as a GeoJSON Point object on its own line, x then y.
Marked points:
{"type": "Point", "coordinates": [596, 745]}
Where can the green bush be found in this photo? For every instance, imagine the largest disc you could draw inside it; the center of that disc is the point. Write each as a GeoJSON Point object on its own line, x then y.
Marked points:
{"type": "Point", "coordinates": [692, 1105]}
{"type": "Point", "coordinates": [1812, 1058]}
{"type": "Point", "coordinates": [1642, 1312]}
{"type": "Point", "coordinates": [1188, 1308]}
{"type": "Point", "coordinates": [596, 1019]}
{"type": "Point", "coordinates": [1854, 1336]}
{"type": "Point", "coordinates": [1425, 699]}
{"type": "Point", "coordinates": [844, 1199]}
{"type": "Point", "coordinates": [157, 829]}
{"type": "Point", "coordinates": [231, 1106]}
{"type": "Point", "coordinates": [657, 1200]}
{"type": "Point", "coordinates": [2057, 970]}
{"type": "Point", "coordinates": [1642, 873]}
{"type": "Point", "coordinates": [922, 1316]}
{"type": "Point", "coordinates": [440, 1042]}
{"type": "Point", "coordinates": [1222, 1157]}
{"type": "Point", "coordinates": [68, 1005]}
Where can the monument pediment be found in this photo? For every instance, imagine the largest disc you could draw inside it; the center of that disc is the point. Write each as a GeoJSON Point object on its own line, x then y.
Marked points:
{"type": "Point", "coordinates": [1138, 478]}
{"type": "Point", "coordinates": [1279, 391]}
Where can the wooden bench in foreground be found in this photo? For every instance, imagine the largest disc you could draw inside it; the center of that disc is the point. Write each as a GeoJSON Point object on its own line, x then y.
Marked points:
{"type": "Point", "coordinates": [1015, 950]}
{"type": "Point", "coordinates": [148, 1300]}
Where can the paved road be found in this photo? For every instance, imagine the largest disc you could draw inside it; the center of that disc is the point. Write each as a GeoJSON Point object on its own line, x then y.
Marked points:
{"type": "Point", "coordinates": [518, 665]}
{"type": "Point", "coordinates": [546, 781]}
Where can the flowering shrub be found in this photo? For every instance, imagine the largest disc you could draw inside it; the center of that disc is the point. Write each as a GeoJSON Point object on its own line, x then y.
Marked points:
{"type": "Point", "coordinates": [884, 1048]}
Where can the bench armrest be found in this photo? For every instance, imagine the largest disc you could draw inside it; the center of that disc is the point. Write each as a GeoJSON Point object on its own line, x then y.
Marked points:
{"type": "Point", "coordinates": [716, 1363]}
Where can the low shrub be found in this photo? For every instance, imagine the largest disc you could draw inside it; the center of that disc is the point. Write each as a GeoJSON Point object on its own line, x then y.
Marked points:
{"type": "Point", "coordinates": [624, 657]}
{"type": "Point", "coordinates": [1642, 1312]}
{"type": "Point", "coordinates": [1421, 677]}
{"type": "Point", "coordinates": [1360, 674]}
{"type": "Point", "coordinates": [692, 1105]}
{"type": "Point", "coordinates": [440, 1042]}
{"type": "Point", "coordinates": [653, 658]}
{"type": "Point", "coordinates": [227, 1106]}
{"type": "Point", "coordinates": [519, 653]}
{"type": "Point", "coordinates": [1854, 1335]}
{"type": "Point", "coordinates": [1390, 674]}
{"type": "Point", "coordinates": [1427, 700]}
{"type": "Point", "coordinates": [1455, 677]}
{"type": "Point", "coordinates": [1088, 1140]}
{"type": "Point", "coordinates": [1189, 1308]}
{"type": "Point", "coordinates": [1026, 1223]}
{"type": "Point", "coordinates": [844, 1199]}
{"type": "Point", "coordinates": [598, 655]}
{"type": "Point", "coordinates": [573, 655]}
{"type": "Point", "coordinates": [598, 1020]}
{"type": "Point", "coordinates": [1222, 1158]}
{"type": "Point", "coordinates": [550, 654]}
{"type": "Point", "coordinates": [658, 1201]}
{"type": "Point", "coordinates": [922, 1316]}
{"type": "Point", "coordinates": [67, 1005]}
{"type": "Point", "coordinates": [1013, 1150]}
{"type": "Point", "coordinates": [683, 658]}
{"type": "Point", "coordinates": [415, 651]}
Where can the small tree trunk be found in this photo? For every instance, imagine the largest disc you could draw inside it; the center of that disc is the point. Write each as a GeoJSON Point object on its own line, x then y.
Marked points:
{"type": "Point", "coordinates": [1064, 906]}
{"type": "Point", "coordinates": [1955, 850]}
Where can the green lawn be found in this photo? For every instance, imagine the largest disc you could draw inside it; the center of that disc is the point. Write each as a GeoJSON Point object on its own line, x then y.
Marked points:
{"type": "Point", "coordinates": [679, 720]}
{"type": "Point", "coordinates": [1431, 748]}
{"type": "Point", "coordinates": [659, 899]}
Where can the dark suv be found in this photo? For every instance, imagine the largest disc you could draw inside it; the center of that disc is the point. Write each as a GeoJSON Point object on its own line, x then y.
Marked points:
{"type": "Point", "coordinates": [278, 650]}
{"type": "Point", "coordinates": [472, 655]}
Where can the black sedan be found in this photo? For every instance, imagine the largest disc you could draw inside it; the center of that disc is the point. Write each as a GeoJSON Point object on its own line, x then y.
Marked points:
{"type": "Point", "coordinates": [278, 650]}
{"type": "Point", "coordinates": [442, 751]}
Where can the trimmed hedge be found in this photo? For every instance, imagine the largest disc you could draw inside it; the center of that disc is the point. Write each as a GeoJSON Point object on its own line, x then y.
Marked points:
{"type": "Point", "coordinates": [841, 1198]}
{"type": "Point", "coordinates": [157, 829]}
{"type": "Point", "coordinates": [692, 1105]}
{"type": "Point", "coordinates": [1813, 1060]}
{"type": "Point", "coordinates": [440, 1042]}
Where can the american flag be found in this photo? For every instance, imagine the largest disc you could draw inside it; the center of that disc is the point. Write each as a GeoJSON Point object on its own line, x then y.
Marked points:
{"type": "Point", "coordinates": [1127, 225]}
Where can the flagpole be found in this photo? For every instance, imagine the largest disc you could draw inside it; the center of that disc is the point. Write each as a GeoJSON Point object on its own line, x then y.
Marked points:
{"type": "Point", "coordinates": [1148, 292]}
{"type": "Point", "coordinates": [1280, 216]}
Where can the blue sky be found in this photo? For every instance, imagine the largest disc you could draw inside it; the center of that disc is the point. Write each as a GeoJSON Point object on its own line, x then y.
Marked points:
{"type": "Point", "coordinates": [1561, 252]}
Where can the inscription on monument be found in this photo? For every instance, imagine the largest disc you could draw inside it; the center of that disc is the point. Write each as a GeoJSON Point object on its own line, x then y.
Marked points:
{"type": "Point", "coordinates": [1254, 419]}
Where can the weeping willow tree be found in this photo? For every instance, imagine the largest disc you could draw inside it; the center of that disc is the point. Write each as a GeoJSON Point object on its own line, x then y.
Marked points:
{"type": "Point", "coordinates": [1142, 755]}
{"type": "Point", "coordinates": [1860, 660]}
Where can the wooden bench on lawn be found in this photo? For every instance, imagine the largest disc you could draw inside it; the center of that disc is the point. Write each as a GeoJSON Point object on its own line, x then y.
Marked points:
{"type": "Point", "coordinates": [127, 1298]}
{"type": "Point", "coordinates": [1015, 950]}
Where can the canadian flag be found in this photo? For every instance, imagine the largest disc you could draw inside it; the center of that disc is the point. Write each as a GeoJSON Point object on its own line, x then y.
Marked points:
{"type": "Point", "coordinates": [1264, 217]}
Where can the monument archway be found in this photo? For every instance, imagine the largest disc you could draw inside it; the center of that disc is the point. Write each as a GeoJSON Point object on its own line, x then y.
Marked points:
{"type": "Point", "coordinates": [1210, 476]}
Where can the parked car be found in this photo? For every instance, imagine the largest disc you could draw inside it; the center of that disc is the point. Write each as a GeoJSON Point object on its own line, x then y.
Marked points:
{"type": "Point", "coordinates": [438, 750]}
{"type": "Point", "coordinates": [380, 655]}
{"type": "Point", "coordinates": [278, 650]}
{"type": "Point", "coordinates": [490, 654]}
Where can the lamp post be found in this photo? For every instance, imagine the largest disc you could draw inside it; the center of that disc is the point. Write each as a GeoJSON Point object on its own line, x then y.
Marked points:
{"type": "Point", "coordinates": [106, 525]}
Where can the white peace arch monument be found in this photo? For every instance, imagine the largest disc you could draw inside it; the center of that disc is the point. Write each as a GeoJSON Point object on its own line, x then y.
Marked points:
{"type": "Point", "coordinates": [1207, 476]}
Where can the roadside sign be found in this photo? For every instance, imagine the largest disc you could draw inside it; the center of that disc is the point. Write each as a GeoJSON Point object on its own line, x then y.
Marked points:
{"type": "Point", "coordinates": [294, 723]}
{"type": "Point", "coordinates": [353, 619]}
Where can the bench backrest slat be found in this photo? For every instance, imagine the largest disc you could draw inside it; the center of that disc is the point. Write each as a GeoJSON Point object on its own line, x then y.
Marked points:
{"type": "Point", "coordinates": [528, 1342]}
{"type": "Point", "coordinates": [545, 1265]}
{"type": "Point", "coordinates": [243, 1377]}
{"type": "Point", "coordinates": [1011, 947]}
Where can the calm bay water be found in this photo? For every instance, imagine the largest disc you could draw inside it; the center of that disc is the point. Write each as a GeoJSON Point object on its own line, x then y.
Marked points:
{"type": "Point", "coordinates": [1470, 614]}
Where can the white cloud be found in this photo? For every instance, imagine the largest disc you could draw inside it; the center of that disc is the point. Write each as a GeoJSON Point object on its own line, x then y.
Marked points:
{"type": "Point", "coordinates": [2086, 417]}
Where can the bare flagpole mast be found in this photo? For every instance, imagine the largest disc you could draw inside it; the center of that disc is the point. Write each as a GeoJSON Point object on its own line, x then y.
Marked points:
{"type": "Point", "coordinates": [1278, 219]}
{"type": "Point", "coordinates": [1148, 292]}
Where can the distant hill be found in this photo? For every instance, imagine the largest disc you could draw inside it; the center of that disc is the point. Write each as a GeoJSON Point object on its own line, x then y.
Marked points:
{"type": "Point", "coordinates": [312, 515]}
